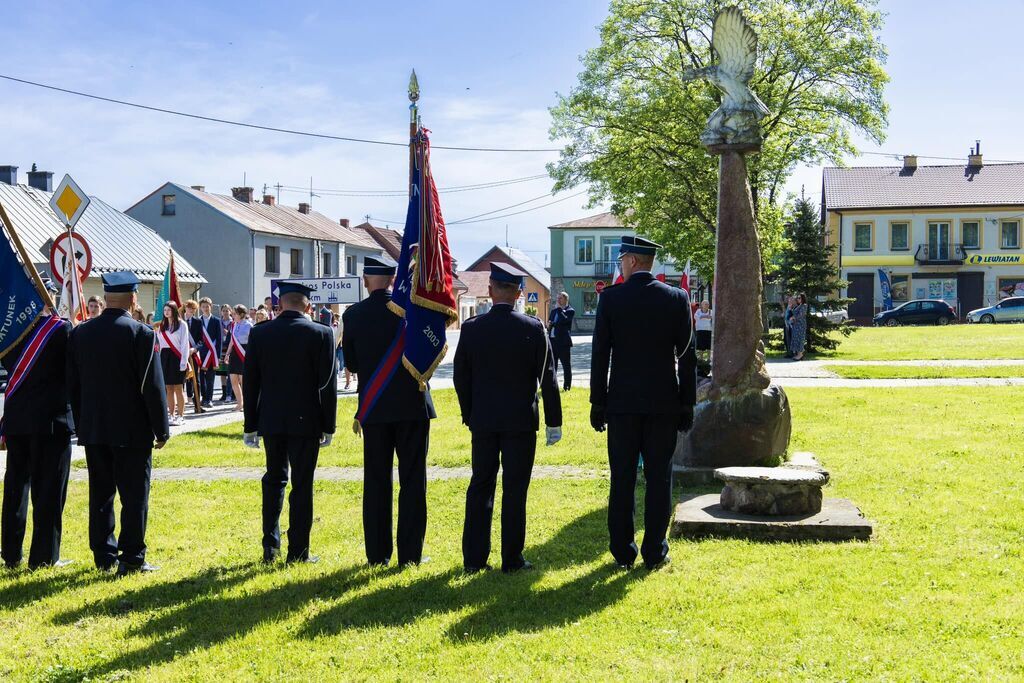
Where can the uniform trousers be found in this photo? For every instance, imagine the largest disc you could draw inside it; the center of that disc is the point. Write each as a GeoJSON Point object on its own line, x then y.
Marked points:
{"type": "Point", "coordinates": [37, 465]}
{"type": "Point", "coordinates": [301, 453]}
{"type": "Point", "coordinates": [628, 437]}
{"type": "Point", "coordinates": [563, 355]}
{"type": "Point", "coordinates": [126, 472]}
{"type": "Point", "coordinates": [206, 378]}
{"type": "Point", "coordinates": [408, 439]}
{"type": "Point", "coordinates": [515, 453]}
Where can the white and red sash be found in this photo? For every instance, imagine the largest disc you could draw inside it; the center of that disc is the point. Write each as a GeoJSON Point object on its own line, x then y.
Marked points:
{"type": "Point", "coordinates": [210, 360]}
{"type": "Point", "coordinates": [170, 343]}
{"type": "Point", "coordinates": [236, 345]}
{"type": "Point", "coordinates": [33, 349]}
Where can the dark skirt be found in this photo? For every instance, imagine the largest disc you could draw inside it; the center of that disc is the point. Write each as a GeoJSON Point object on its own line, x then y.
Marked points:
{"type": "Point", "coordinates": [703, 340]}
{"type": "Point", "coordinates": [170, 364]}
{"type": "Point", "coordinates": [236, 366]}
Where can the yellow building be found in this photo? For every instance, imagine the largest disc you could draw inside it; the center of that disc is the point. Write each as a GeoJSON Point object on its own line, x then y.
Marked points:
{"type": "Point", "coordinates": [948, 232]}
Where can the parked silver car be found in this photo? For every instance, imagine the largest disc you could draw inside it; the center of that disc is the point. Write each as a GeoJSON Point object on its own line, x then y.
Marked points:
{"type": "Point", "coordinates": [1007, 310]}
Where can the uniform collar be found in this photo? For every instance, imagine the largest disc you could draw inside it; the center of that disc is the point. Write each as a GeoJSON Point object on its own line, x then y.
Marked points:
{"type": "Point", "coordinates": [113, 311]}
{"type": "Point", "coordinates": [641, 275]}
{"type": "Point", "coordinates": [502, 308]}
{"type": "Point", "coordinates": [290, 314]}
{"type": "Point", "coordinates": [385, 292]}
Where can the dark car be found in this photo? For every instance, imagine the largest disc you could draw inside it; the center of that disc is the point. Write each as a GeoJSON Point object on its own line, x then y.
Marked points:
{"type": "Point", "coordinates": [918, 312]}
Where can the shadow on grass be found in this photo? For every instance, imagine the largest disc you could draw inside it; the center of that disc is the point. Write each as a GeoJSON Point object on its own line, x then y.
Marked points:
{"type": "Point", "coordinates": [193, 614]}
{"type": "Point", "coordinates": [498, 603]}
{"type": "Point", "coordinates": [28, 587]}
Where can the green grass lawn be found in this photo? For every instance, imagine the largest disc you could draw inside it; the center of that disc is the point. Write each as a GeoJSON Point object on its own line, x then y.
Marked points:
{"type": "Point", "coordinates": [930, 343]}
{"type": "Point", "coordinates": [935, 595]}
{"type": "Point", "coordinates": [924, 372]}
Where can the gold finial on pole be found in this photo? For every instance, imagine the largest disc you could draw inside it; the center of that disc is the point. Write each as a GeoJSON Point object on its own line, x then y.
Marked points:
{"type": "Point", "coordinates": [414, 88]}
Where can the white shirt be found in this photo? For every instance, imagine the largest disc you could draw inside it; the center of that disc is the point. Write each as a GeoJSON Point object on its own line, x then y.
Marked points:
{"type": "Point", "coordinates": [181, 342]}
{"type": "Point", "coordinates": [703, 320]}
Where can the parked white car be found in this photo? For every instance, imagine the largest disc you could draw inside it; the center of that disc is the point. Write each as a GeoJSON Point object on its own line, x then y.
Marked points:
{"type": "Point", "coordinates": [837, 317]}
{"type": "Point", "coordinates": [1007, 310]}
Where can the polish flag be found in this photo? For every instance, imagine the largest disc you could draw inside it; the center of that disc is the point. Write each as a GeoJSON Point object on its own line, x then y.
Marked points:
{"type": "Point", "coordinates": [617, 278]}
{"type": "Point", "coordinates": [684, 281]}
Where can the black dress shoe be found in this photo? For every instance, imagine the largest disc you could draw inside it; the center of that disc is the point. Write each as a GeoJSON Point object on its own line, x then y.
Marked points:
{"type": "Point", "coordinates": [624, 566]}
{"type": "Point", "coordinates": [654, 566]}
{"type": "Point", "coordinates": [379, 564]}
{"type": "Point", "coordinates": [56, 565]}
{"type": "Point", "coordinates": [525, 566]}
{"type": "Point", "coordinates": [477, 570]}
{"type": "Point", "coordinates": [124, 569]}
{"type": "Point", "coordinates": [11, 565]}
{"type": "Point", "coordinates": [311, 559]}
{"type": "Point", "coordinates": [270, 555]}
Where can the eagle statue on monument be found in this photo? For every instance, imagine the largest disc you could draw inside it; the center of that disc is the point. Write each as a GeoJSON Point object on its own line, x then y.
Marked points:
{"type": "Point", "coordinates": [737, 119]}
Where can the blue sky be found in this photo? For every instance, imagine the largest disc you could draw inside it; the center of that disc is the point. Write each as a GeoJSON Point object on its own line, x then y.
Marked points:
{"type": "Point", "coordinates": [488, 72]}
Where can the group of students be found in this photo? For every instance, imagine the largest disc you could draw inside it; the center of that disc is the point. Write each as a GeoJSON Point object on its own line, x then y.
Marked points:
{"type": "Point", "coordinates": [102, 381]}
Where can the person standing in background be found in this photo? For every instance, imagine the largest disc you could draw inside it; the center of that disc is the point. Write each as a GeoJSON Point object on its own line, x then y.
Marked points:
{"type": "Point", "coordinates": [94, 306]}
{"type": "Point", "coordinates": [175, 348]}
{"type": "Point", "coordinates": [227, 394]}
{"type": "Point", "coordinates": [238, 338]}
{"type": "Point", "coordinates": [560, 331]}
{"type": "Point", "coordinates": [703, 324]}
{"type": "Point", "coordinates": [798, 335]}
{"type": "Point", "coordinates": [788, 304]}
{"type": "Point", "coordinates": [210, 332]}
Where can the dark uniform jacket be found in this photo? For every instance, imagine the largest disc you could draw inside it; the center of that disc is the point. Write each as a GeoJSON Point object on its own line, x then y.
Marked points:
{"type": "Point", "coordinates": [195, 331]}
{"type": "Point", "coordinates": [560, 326]}
{"type": "Point", "coordinates": [115, 382]}
{"type": "Point", "coordinates": [642, 327]}
{"type": "Point", "coordinates": [369, 327]}
{"type": "Point", "coordinates": [290, 387]}
{"type": "Point", "coordinates": [501, 358]}
{"type": "Point", "coordinates": [213, 328]}
{"type": "Point", "coordinates": [41, 405]}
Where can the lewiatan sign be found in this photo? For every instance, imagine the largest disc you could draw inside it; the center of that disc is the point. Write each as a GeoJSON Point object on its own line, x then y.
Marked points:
{"type": "Point", "coordinates": [995, 260]}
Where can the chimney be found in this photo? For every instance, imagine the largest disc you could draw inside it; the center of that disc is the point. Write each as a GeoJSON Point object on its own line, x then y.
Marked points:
{"type": "Point", "coordinates": [9, 175]}
{"type": "Point", "coordinates": [41, 180]}
{"type": "Point", "coordinates": [242, 194]}
{"type": "Point", "coordinates": [974, 158]}
{"type": "Point", "coordinates": [344, 222]}
{"type": "Point", "coordinates": [304, 207]}
{"type": "Point", "coordinates": [909, 162]}
{"type": "Point", "coordinates": [268, 199]}
{"type": "Point", "coordinates": [201, 188]}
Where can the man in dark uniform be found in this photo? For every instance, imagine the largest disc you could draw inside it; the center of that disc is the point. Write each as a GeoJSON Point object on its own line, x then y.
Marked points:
{"type": "Point", "coordinates": [37, 426]}
{"type": "Point", "coordinates": [117, 396]}
{"type": "Point", "coordinates": [399, 423]}
{"type": "Point", "coordinates": [290, 400]}
{"type": "Point", "coordinates": [210, 344]}
{"type": "Point", "coordinates": [502, 357]}
{"type": "Point", "coordinates": [643, 325]}
{"type": "Point", "coordinates": [560, 330]}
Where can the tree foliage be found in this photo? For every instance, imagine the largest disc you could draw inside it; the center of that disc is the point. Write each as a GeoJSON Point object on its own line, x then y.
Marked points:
{"type": "Point", "coordinates": [808, 266]}
{"type": "Point", "coordinates": [632, 124]}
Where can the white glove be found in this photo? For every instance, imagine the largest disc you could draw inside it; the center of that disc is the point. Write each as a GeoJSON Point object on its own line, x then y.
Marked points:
{"type": "Point", "coordinates": [251, 439]}
{"type": "Point", "coordinates": [554, 435]}
{"type": "Point", "coordinates": [325, 440]}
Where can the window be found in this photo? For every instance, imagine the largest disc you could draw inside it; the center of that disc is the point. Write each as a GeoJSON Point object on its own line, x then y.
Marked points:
{"type": "Point", "coordinates": [862, 238]}
{"type": "Point", "coordinates": [899, 236]}
{"type": "Point", "coordinates": [584, 250]}
{"type": "Point", "coordinates": [900, 287]}
{"type": "Point", "coordinates": [610, 248]}
{"type": "Point", "coordinates": [970, 234]}
{"type": "Point", "coordinates": [273, 256]}
{"type": "Point", "coordinates": [296, 262]}
{"type": "Point", "coordinates": [327, 264]}
{"type": "Point", "coordinates": [350, 265]}
{"type": "Point", "coordinates": [1009, 235]}
{"type": "Point", "coordinates": [590, 303]}
{"type": "Point", "coordinates": [168, 206]}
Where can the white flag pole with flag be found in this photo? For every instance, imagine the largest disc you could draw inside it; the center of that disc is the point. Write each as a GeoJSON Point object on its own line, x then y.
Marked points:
{"type": "Point", "coordinates": [72, 299]}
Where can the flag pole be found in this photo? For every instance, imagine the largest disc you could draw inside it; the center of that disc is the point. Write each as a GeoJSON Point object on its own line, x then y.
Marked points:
{"type": "Point", "coordinates": [26, 261]}
{"type": "Point", "coordinates": [414, 122]}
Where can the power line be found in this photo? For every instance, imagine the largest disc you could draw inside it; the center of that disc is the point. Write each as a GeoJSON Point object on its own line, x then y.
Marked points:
{"type": "Point", "coordinates": [405, 192]}
{"type": "Point", "coordinates": [272, 129]}
{"type": "Point", "coordinates": [504, 208]}
{"type": "Point", "coordinates": [516, 213]}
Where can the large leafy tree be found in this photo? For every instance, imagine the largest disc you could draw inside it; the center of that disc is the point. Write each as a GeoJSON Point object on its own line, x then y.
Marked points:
{"type": "Point", "coordinates": [633, 124]}
{"type": "Point", "coordinates": [807, 265]}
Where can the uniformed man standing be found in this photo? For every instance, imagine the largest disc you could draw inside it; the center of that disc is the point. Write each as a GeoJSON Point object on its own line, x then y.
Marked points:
{"type": "Point", "coordinates": [37, 427]}
{"type": "Point", "coordinates": [398, 422]}
{"type": "Point", "coordinates": [117, 397]}
{"type": "Point", "coordinates": [643, 328]}
{"type": "Point", "coordinates": [501, 358]}
{"type": "Point", "coordinates": [560, 331]}
{"type": "Point", "coordinates": [290, 401]}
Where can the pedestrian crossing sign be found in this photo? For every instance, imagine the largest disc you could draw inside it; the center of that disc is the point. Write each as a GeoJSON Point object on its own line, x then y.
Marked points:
{"type": "Point", "coordinates": [69, 201]}
{"type": "Point", "coordinates": [532, 298]}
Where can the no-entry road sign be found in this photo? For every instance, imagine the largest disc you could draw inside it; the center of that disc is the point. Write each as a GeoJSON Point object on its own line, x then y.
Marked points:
{"type": "Point", "coordinates": [63, 247]}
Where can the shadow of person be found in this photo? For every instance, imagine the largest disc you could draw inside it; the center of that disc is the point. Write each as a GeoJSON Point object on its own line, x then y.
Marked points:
{"type": "Point", "coordinates": [26, 588]}
{"type": "Point", "coordinates": [499, 602]}
{"type": "Point", "coordinates": [186, 621]}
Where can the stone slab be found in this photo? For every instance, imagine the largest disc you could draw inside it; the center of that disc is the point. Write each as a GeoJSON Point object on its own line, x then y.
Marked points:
{"type": "Point", "coordinates": [700, 516]}
{"type": "Point", "coordinates": [684, 475]}
{"type": "Point", "coordinates": [772, 475]}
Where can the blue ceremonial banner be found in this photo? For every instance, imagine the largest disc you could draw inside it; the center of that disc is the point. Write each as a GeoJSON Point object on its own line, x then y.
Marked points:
{"type": "Point", "coordinates": [883, 282]}
{"type": "Point", "coordinates": [423, 291]}
{"type": "Point", "coordinates": [20, 301]}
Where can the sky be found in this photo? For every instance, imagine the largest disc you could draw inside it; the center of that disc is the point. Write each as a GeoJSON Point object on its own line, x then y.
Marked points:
{"type": "Point", "coordinates": [487, 73]}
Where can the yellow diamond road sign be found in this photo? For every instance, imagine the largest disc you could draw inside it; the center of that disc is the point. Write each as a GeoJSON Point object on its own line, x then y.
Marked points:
{"type": "Point", "coordinates": [68, 201]}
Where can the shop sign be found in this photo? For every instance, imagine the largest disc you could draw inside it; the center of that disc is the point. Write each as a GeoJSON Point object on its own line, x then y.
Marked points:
{"type": "Point", "coordinates": [995, 260]}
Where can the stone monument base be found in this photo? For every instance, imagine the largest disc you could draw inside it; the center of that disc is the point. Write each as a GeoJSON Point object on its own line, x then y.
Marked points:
{"type": "Point", "coordinates": [772, 490]}
{"type": "Point", "coordinates": [701, 516]}
{"type": "Point", "coordinates": [746, 429]}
